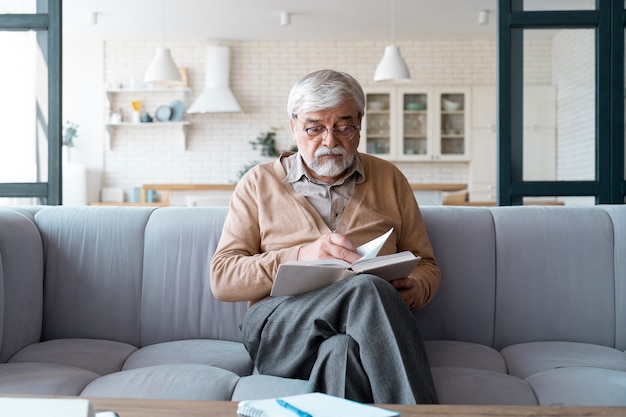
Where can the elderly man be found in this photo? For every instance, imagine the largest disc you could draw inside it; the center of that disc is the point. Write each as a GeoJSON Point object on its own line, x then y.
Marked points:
{"type": "Point", "coordinates": [357, 338]}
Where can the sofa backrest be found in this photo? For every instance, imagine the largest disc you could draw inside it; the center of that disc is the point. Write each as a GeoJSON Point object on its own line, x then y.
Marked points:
{"type": "Point", "coordinates": [141, 275]}
{"type": "Point", "coordinates": [21, 283]}
{"type": "Point", "coordinates": [133, 274]}
{"type": "Point", "coordinates": [556, 275]}
{"type": "Point", "coordinates": [177, 302]}
{"type": "Point", "coordinates": [463, 240]}
{"type": "Point", "coordinates": [93, 271]}
{"type": "Point", "coordinates": [521, 274]}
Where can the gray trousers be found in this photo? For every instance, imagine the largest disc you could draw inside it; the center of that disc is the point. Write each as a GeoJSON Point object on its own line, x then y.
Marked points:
{"type": "Point", "coordinates": [355, 339]}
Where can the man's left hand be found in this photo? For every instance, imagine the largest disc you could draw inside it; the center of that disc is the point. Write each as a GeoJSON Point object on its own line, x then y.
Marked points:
{"type": "Point", "coordinates": [407, 287]}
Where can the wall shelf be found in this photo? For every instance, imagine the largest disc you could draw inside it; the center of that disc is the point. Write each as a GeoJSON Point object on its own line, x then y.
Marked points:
{"type": "Point", "coordinates": [150, 125]}
{"type": "Point", "coordinates": [154, 97]}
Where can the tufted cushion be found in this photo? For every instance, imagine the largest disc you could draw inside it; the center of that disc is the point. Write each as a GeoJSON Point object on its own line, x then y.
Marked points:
{"type": "Point", "coordinates": [223, 354]}
{"type": "Point", "coordinates": [38, 378]}
{"type": "Point", "coordinates": [79, 353]}
{"type": "Point", "coordinates": [464, 354]}
{"type": "Point", "coordinates": [169, 382]}
{"type": "Point", "coordinates": [526, 359]}
{"type": "Point", "coordinates": [456, 385]}
{"type": "Point", "coordinates": [574, 386]}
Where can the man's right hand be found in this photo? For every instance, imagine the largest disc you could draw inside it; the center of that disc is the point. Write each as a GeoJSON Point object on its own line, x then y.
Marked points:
{"type": "Point", "coordinates": [329, 246]}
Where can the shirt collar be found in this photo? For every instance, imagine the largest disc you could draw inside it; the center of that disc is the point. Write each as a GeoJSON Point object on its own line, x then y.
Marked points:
{"type": "Point", "coordinates": [296, 169]}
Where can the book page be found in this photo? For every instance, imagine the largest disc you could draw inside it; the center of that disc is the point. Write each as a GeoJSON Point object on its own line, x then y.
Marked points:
{"type": "Point", "coordinates": [370, 249]}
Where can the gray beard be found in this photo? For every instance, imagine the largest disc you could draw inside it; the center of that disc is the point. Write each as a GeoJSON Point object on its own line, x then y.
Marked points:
{"type": "Point", "coordinates": [330, 168]}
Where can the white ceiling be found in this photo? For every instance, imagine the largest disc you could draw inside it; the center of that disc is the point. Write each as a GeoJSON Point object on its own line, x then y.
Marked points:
{"type": "Point", "coordinates": [321, 20]}
{"type": "Point", "coordinates": [317, 20]}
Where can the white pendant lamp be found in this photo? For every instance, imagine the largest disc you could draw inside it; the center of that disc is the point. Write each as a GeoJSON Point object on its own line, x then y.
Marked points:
{"type": "Point", "coordinates": [392, 65]}
{"type": "Point", "coordinates": [216, 96]}
{"type": "Point", "coordinates": [163, 71]}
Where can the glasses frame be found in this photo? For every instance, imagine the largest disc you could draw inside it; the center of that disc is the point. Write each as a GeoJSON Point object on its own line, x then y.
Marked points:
{"type": "Point", "coordinates": [320, 137]}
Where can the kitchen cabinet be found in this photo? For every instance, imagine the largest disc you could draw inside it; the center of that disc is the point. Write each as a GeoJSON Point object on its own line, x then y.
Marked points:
{"type": "Point", "coordinates": [539, 137]}
{"type": "Point", "coordinates": [118, 101]}
{"type": "Point", "coordinates": [416, 124]}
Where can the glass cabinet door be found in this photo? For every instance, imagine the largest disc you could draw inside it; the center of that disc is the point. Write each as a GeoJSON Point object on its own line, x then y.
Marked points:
{"type": "Point", "coordinates": [453, 124]}
{"type": "Point", "coordinates": [377, 133]}
{"type": "Point", "coordinates": [414, 124]}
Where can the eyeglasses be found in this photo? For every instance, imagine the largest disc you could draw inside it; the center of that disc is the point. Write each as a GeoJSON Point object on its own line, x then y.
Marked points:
{"type": "Point", "coordinates": [319, 133]}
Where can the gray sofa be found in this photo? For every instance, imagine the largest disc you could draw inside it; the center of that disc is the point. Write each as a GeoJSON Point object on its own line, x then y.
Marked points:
{"type": "Point", "coordinates": [115, 302]}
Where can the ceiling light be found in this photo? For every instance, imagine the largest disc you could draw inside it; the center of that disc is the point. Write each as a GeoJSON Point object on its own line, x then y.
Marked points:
{"type": "Point", "coordinates": [216, 97]}
{"type": "Point", "coordinates": [163, 71]}
{"type": "Point", "coordinates": [285, 18]}
{"type": "Point", "coordinates": [483, 17]}
{"type": "Point", "coordinates": [392, 65]}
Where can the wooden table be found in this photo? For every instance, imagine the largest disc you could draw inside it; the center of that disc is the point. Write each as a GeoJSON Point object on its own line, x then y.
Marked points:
{"type": "Point", "coordinates": [177, 408]}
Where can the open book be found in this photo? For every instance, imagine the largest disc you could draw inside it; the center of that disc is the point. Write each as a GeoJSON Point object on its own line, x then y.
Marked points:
{"type": "Point", "coordinates": [297, 277]}
{"type": "Point", "coordinates": [314, 404]}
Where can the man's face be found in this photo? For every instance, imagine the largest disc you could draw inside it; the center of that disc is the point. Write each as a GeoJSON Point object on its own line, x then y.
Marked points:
{"type": "Point", "coordinates": [329, 152]}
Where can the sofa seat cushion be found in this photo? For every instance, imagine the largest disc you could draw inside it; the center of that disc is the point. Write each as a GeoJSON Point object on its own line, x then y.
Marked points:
{"type": "Point", "coordinates": [38, 378]}
{"type": "Point", "coordinates": [257, 387]}
{"type": "Point", "coordinates": [526, 359]}
{"type": "Point", "coordinates": [223, 354]}
{"type": "Point", "coordinates": [99, 356]}
{"type": "Point", "coordinates": [465, 355]}
{"type": "Point", "coordinates": [580, 386]}
{"type": "Point", "coordinates": [467, 386]}
{"type": "Point", "coordinates": [169, 382]}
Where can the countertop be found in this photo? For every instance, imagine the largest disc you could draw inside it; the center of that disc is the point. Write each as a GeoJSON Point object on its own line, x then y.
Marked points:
{"type": "Point", "coordinates": [219, 187]}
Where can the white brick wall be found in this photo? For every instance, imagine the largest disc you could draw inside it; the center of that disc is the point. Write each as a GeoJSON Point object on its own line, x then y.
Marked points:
{"type": "Point", "coordinates": [261, 76]}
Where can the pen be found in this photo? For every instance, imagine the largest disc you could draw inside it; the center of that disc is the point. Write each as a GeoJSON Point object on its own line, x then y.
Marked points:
{"type": "Point", "coordinates": [290, 407]}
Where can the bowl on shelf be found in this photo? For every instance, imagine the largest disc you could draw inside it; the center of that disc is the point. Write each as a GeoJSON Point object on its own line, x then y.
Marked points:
{"type": "Point", "coordinates": [450, 105]}
{"type": "Point", "coordinates": [376, 105]}
{"type": "Point", "coordinates": [415, 106]}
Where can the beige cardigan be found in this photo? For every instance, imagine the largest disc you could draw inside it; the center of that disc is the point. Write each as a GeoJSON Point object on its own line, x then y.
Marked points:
{"type": "Point", "coordinates": [268, 222]}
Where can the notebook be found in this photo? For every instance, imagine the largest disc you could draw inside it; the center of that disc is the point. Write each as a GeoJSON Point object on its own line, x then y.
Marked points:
{"type": "Point", "coordinates": [315, 404]}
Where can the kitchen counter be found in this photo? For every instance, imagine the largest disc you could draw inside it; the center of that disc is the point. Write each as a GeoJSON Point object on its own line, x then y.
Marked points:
{"type": "Point", "coordinates": [214, 187]}
{"type": "Point", "coordinates": [219, 194]}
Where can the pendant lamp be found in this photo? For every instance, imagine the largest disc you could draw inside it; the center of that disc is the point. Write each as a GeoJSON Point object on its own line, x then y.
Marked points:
{"type": "Point", "coordinates": [392, 65]}
{"type": "Point", "coordinates": [163, 71]}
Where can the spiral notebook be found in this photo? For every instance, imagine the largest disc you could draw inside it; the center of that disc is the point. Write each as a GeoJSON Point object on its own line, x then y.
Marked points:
{"type": "Point", "coordinates": [315, 404]}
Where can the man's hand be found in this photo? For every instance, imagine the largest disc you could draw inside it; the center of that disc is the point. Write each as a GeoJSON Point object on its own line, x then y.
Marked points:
{"type": "Point", "coordinates": [330, 246]}
{"type": "Point", "coordinates": [407, 287]}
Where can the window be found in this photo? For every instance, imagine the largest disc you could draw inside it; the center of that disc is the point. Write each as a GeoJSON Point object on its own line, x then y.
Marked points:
{"type": "Point", "coordinates": [561, 131]}
{"type": "Point", "coordinates": [30, 105]}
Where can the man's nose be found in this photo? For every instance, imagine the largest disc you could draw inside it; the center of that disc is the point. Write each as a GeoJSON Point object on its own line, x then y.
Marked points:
{"type": "Point", "coordinates": [331, 139]}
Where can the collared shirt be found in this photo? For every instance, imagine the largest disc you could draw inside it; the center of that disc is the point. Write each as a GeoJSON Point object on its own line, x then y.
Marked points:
{"type": "Point", "coordinates": [329, 200]}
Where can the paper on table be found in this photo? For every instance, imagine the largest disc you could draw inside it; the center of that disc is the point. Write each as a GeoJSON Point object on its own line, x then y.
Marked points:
{"type": "Point", "coordinates": [316, 404]}
{"type": "Point", "coordinates": [370, 249]}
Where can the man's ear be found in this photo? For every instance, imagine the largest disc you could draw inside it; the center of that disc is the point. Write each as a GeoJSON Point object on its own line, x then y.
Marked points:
{"type": "Point", "coordinates": [293, 129]}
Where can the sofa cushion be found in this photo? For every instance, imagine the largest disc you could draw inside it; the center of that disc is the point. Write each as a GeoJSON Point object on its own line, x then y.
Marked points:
{"type": "Point", "coordinates": [94, 271]}
{"type": "Point", "coordinates": [168, 382]}
{"type": "Point", "coordinates": [36, 378]}
{"type": "Point", "coordinates": [177, 302]}
{"type": "Point", "coordinates": [556, 277]}
{"type": "Point", "coordinates": [618, 217]}
{"type": "Point", "coordinates": [457, 385]}
{"type": "Point", "coordinates": [223, 354]}
{"type": "Point", "coordinates": [446, 353]}
{"type": "Point", "coordinates": [526, 359]}
{"type": "Point", "coordinates": [99, 356]}
{"type": "Point", "coordinates": [21, 281]}
{"type": "Point", "coordinates": [257, 387]}
{"type": "Point", "coordinates": [580, 386]}
{"type": "Point", "coordinates": [464, 307]}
